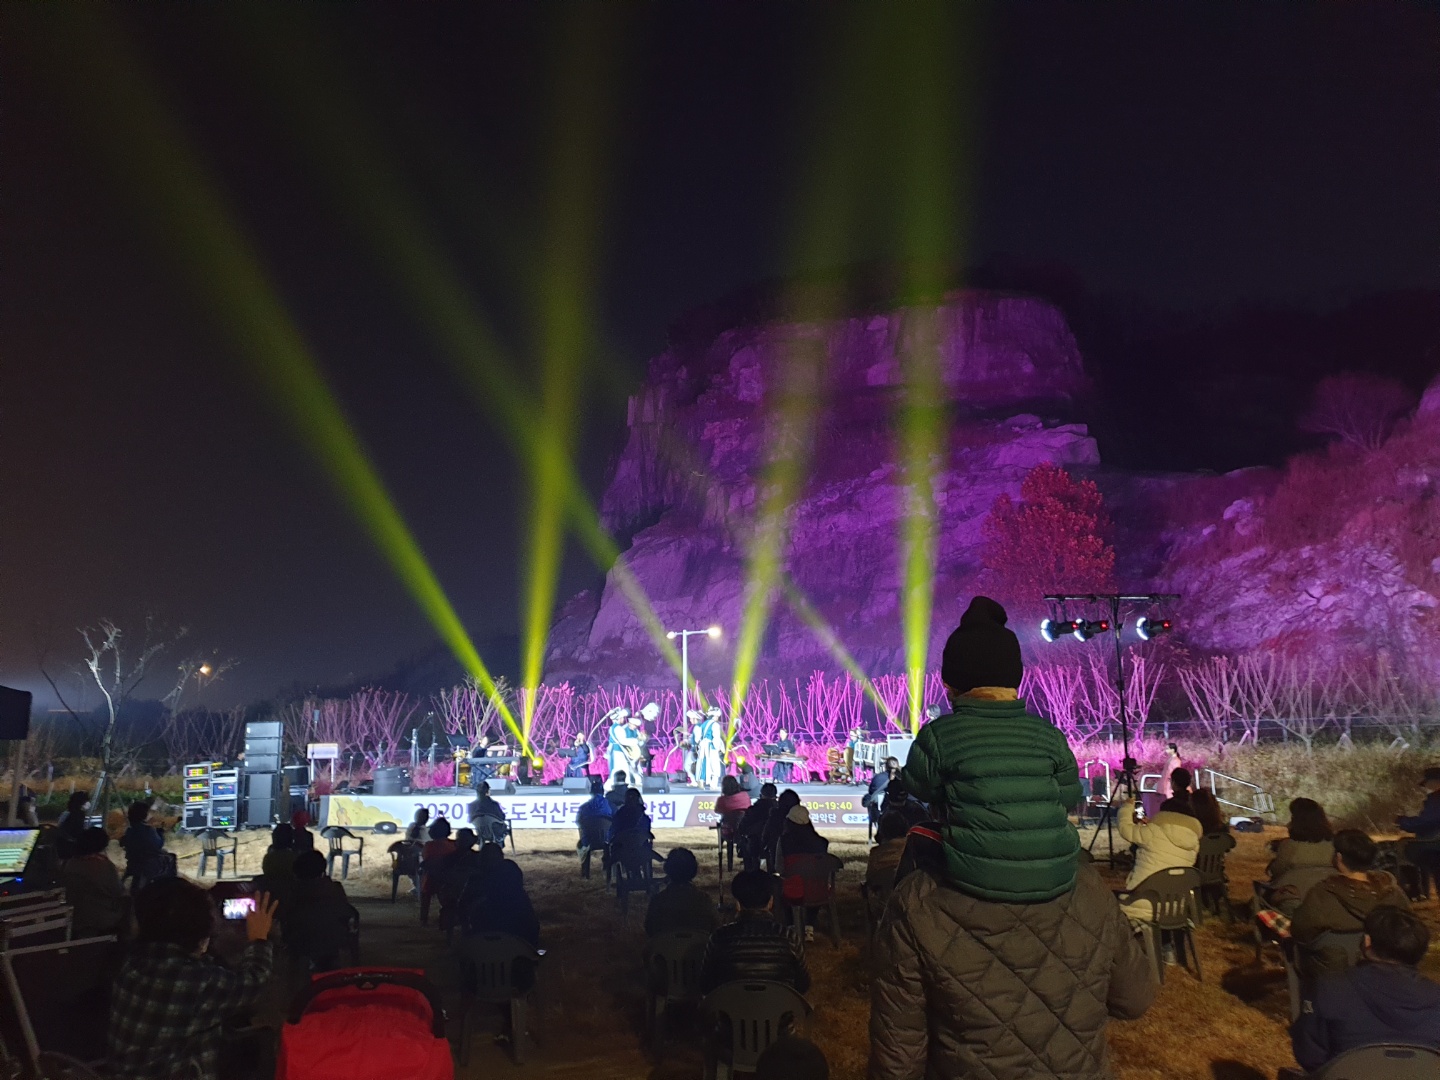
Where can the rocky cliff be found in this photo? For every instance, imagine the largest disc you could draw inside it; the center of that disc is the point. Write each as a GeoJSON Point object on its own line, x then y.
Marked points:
{"type": "Point", "coordinates": [685, 490]}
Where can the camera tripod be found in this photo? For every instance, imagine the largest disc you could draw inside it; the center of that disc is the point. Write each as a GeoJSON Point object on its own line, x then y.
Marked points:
{"type": "Point", "coordinates": [1126, 782]}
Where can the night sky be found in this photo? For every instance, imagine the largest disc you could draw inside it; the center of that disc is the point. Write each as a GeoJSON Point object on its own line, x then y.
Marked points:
{"type": "Point", "coordinates": [1193, 159]}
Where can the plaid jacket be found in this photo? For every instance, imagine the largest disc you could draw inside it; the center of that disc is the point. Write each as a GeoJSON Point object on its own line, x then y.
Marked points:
{"type": "Point", "coordinates": [168, 1007]}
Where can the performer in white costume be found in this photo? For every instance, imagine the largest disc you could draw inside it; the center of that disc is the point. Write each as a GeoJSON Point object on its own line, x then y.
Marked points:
{"type": "Point", "coordinates": [623, 751]}
{"type": "Point", "coordinates": [710, 750]}
{"type": "Point", "coordinates": [690, 744]}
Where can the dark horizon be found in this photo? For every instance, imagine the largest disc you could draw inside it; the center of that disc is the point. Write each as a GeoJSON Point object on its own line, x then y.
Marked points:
{"type": "Point", "coordinates": [1227, 201]}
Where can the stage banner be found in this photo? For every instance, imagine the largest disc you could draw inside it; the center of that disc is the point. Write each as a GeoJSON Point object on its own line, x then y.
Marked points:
{"type": "Point", "coordinates": [544, 810]}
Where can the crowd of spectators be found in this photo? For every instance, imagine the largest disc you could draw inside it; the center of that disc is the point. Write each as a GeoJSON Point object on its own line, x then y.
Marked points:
{"type": "Point", "coordinates": [998, 950]}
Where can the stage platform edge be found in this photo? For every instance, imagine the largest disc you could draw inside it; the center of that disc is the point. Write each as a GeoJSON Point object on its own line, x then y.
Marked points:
{"type": "Point", "coordinates": [831, 806]}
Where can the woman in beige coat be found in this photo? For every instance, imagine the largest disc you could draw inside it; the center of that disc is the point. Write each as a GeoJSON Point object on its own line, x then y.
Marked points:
{"type": "Point", "coordinates": [1168, 839]}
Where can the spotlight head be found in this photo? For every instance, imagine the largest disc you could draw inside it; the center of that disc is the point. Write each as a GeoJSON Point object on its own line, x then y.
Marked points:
{"type": "Point", "coordinates": [713, 632]}
{"type": "Point", "coordinates": [1054, 630]}
{"type": "Point", "coordinates": [671, 635]}
{"type": "Point", "coordinates": [1085, 629]}
{"type": "Point", "coordinates": [1148, 628]}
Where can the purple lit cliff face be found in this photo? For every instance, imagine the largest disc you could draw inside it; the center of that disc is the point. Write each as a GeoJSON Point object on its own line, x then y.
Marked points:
{"type": "Point", "coordinates": [685, 490]}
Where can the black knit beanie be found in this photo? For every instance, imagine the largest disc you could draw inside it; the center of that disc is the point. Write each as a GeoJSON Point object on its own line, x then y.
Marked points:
{"type": "Point", "coordinates": [981, 652]}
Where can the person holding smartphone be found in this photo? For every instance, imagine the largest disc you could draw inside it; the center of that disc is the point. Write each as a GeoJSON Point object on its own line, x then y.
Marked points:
{"type": "Point", "coordinates": [172, 1000]}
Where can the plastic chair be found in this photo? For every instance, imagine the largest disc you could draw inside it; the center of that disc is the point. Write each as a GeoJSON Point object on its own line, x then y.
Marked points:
{"type": "Point", "coordinates": [491, 829]}
{"type": "Point", "coordinates": [816, 878]}
{"type": "Point", "coordinates": [757, 1014]}
{"type": "Point", "coordinates": [1297, 957]}
{"type": "Point", "coordinates": [1214, 885]}
{"type": "Point", "coordinates": [490, 959]}
{"type": "Point", "coordinates": [211, 848]}
{"type": "Point", "coordinates": [1174, 909]}
{"type": "Point", "coordinates": [630, 859]}
{"type": "Point", "coordinates": [335, 836]}
{"type": "Point", "coordinates": [592, 839]}
{"type": "Point", "coordinates": [404, 862]}
{"type": "Point", "coordinates": [672, 963]}
{"type": "Point", "coordinates": [726, 830]}
{"type": "Point", "coordinates": [1393, 1061]}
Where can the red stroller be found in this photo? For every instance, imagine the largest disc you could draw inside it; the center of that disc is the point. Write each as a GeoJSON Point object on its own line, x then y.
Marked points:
{"type": "Point", "coordinates": [366, 1024]}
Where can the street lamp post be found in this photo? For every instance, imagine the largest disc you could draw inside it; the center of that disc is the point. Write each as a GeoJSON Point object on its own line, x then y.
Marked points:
{"type": "Point", "coordinates": [685, 636]}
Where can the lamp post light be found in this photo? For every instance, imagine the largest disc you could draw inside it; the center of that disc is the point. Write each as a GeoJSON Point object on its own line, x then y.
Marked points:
{"type": "Point", "coordinates": [685, 636]}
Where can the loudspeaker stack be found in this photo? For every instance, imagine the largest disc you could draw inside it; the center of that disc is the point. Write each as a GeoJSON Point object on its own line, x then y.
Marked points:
{"type": "Point", "coordinates": [267, 799]}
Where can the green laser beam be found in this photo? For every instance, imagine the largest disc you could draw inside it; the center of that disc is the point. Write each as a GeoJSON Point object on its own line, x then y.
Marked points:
{"type": "Point", "coordinates": [151, 149]}
{"type": "Point", "coordinates": [339, 143]}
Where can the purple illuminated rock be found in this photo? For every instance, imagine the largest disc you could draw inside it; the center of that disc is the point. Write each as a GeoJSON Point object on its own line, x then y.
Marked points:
{"type": "Point", "coordinates": [685, 491]}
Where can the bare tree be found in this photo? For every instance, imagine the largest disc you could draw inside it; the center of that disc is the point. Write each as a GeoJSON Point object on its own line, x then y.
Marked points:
{"type": "Point", "coordinates": [200, 670]}
{"type": "Point", "coordinates": [1357, 407]}
{"type": "Point", "coordinates": [118, 671]}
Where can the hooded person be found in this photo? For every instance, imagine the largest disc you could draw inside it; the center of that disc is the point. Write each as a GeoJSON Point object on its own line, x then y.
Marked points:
{"type": "Point", "coordinates": [999, 779]}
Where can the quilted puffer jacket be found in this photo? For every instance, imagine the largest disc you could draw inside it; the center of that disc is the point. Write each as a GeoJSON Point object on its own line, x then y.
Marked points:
{"type": "Point", "coordinates": [986, 991]}
{"type": "Point", "coordinates": [999, 780]}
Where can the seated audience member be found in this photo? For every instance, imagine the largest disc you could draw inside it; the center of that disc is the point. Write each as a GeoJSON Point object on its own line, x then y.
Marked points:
{"type": "Point", "coordinates": [775, 824]}
{"type": "Point", "coordinates": [799, 840]}
{"type": "Point", "coordinates": [884, 858]}
{"type": "Point", "coordinates": [748, 837]}
{"type": "Point", "coordinates": [1302, 860]}
{"type": "Point", "coordinates": [618, 790]}
{"type": "Point", "coordinates": [1341, 903]}
{"type": "Point", "coordinates": [798, 837]}
{"type": "Point", "coordinates": [1179, 801]}
{"type": "Point", "coordinates": [899, 800]}
{"type": "Point", "coordinates": [304, 838]}
{"type": "Point", "coordinates": [755, 946]}
{"type": "Point", "coordinates": [792, 1058]}
{"type": "Point", "coordinates": [279, 861]}
{"type": "Point", "coordinates": [71, 825]}
{"type": "Point", "coordinates": [1206, 809]}
{"type": "Point", "coordinates": [453, 873]}
{"type": "Point", "coordinates": [731, 797]}
{"type": "Point", "coordinates": [749, 782]}
{"type": "Point", "coordinates": [680, 905]}
{"type": "Point", "coordinates": [1170, 838]}
{"type": "Point", "coordinates": [418, 831]}
{"type": "Point", "coordinates": [593, 821]}
{"type": "Point", "coordinates": [1062, 969]}
{"type": "Point", "coordinates": [874, 797]}
{"type": "Point", "coordinates": [1383, 999]}
{"type": "Point", "coordinates": [144, 848]}
{"type": "Point", "coordinates": [989, 751]}
{"type": "Point", "coordinates": [631, 817]}
{"type": "Point", "coordinates": [473, 892]}
{"type": "Point", "coordinates": [171, 1002]}
{"type": "Point", "coordinates": [485, 806]}
{"type": "Point", "coordinates": [505, 908]}
{"type": "Point", "coordinates": [432, 857]}
{"type": "Point", "coordinates": [92, 887]}
{"type": "Point", "coordinates": [1424, 850]}
{"type": "Point", "coordinates": [316, 922]}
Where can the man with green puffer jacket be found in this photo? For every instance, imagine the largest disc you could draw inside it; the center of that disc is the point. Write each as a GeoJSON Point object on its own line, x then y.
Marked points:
{"type": "Point", "coordinates": [998, 779]}
{"type": "Point", "coordinates": [1001, 961]}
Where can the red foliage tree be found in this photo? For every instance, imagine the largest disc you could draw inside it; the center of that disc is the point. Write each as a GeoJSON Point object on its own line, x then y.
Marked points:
{"type": "Point", "coordinates": [1052, 540]}
{"type": "Point", "coordinates": [1357, 408]}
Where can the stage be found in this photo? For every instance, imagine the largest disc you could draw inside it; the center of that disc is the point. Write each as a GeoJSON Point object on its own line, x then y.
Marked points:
{"type": "Point", "coordinates": [831, 806]}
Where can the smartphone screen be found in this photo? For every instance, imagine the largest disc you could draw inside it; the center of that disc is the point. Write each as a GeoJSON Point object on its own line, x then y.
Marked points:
{"type": "Point", "coordinates": [237, 907]}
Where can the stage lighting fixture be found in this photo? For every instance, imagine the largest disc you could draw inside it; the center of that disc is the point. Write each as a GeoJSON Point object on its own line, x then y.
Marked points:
{"type": "Point", "coordinates": [1054, 630]}
{"type": "Point", "coordinates": [1085, 629]}
{"type": "Point", "coordinates": [1148, 628]}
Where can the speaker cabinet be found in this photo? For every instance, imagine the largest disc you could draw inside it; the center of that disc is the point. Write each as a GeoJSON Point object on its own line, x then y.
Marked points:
{"type": "Point", "coordinates": [655, 785]}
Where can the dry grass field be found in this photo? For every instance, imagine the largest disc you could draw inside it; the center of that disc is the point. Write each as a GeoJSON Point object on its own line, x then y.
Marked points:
{"type": "Point", "coordinates": [588, 1012]}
